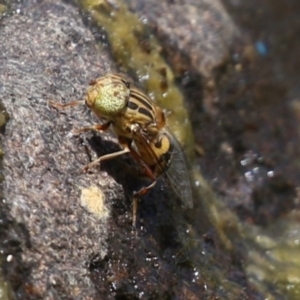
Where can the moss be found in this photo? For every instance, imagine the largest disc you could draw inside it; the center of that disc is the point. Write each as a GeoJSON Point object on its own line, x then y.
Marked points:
{"type": "Point", "coordinates": [5, 290]}
{"type": "Point", "coordinates": [3, 9]}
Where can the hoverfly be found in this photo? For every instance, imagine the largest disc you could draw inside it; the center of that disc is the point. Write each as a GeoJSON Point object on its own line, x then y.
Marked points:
{"type": "Point", "coordinates": [140, 127]}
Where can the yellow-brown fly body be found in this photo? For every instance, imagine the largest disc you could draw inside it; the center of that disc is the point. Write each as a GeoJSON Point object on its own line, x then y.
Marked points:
{"type": "Point", "coordinates": [140, 127]}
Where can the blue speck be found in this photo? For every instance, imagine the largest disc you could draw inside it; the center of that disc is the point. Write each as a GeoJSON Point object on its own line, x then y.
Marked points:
{"type": "Point", "coordinates": [261, 48]}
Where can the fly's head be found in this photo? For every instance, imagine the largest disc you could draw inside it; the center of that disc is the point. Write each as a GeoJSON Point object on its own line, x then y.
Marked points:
{"type": "Point", "coordinates": [108, 96]}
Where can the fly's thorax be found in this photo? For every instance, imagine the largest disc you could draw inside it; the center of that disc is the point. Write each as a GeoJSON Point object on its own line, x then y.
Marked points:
{"type": "Point", "coordinates": [143, 111]}
{"type": "Point", "coordinates": [108, 96]}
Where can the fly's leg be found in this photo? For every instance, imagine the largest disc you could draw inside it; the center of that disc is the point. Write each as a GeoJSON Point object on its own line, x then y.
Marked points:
{"type": "Point", "coordinates": [134, 211]}
{"type": "Point", "coordinates": [62, 106]}
{"type": "Point", "coordinates": [147, 171]}
{"type": "Point", "coordinates": [105, 157]}
{"type": "Point", "coordinates": [123, 142]}
{"type": "Point", "coordinates": [144, 190]}
{"type": "Point", "coordinates": [96, 127]}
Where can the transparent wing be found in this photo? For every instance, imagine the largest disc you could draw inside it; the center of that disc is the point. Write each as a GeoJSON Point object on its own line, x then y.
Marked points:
{"type": "Point", "coordinates": [178, 175]}
{"type": "Point", "coordinates": [177, 172]}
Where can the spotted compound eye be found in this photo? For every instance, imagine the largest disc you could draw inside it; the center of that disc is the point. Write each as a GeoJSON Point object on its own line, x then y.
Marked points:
{"type": "Point", "coordinates": [107, 97]}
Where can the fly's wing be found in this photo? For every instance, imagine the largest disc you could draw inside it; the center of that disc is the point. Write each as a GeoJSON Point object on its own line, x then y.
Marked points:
{"type": "Point", "coordinates": [178, 175]}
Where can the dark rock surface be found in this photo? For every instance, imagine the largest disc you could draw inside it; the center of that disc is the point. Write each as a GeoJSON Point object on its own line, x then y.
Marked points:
{"type": "Point", "coordinates": [47, 54]}
{"type": "Point", "coordinates": [61, 250]}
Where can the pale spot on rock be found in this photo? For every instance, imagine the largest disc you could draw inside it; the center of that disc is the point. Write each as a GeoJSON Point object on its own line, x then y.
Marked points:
{"type": "Point", "coordinates": [93, 199]}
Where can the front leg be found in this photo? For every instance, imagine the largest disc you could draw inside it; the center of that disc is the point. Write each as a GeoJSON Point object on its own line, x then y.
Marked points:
{"type": "Point", "coordinates": [62, 106]}
{"type": "Point", "coordinates": [96, 127]}
{"type": "Point", "coordinates": [144, 190]}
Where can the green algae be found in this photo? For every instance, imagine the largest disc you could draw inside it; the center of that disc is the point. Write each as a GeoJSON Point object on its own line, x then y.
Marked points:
{"type": "Point", "coordinates": [5, 290]}
{"type": "Point", "coordinates": [3, 9]}
{"type": "Point", "coordinates": [273, 258]}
